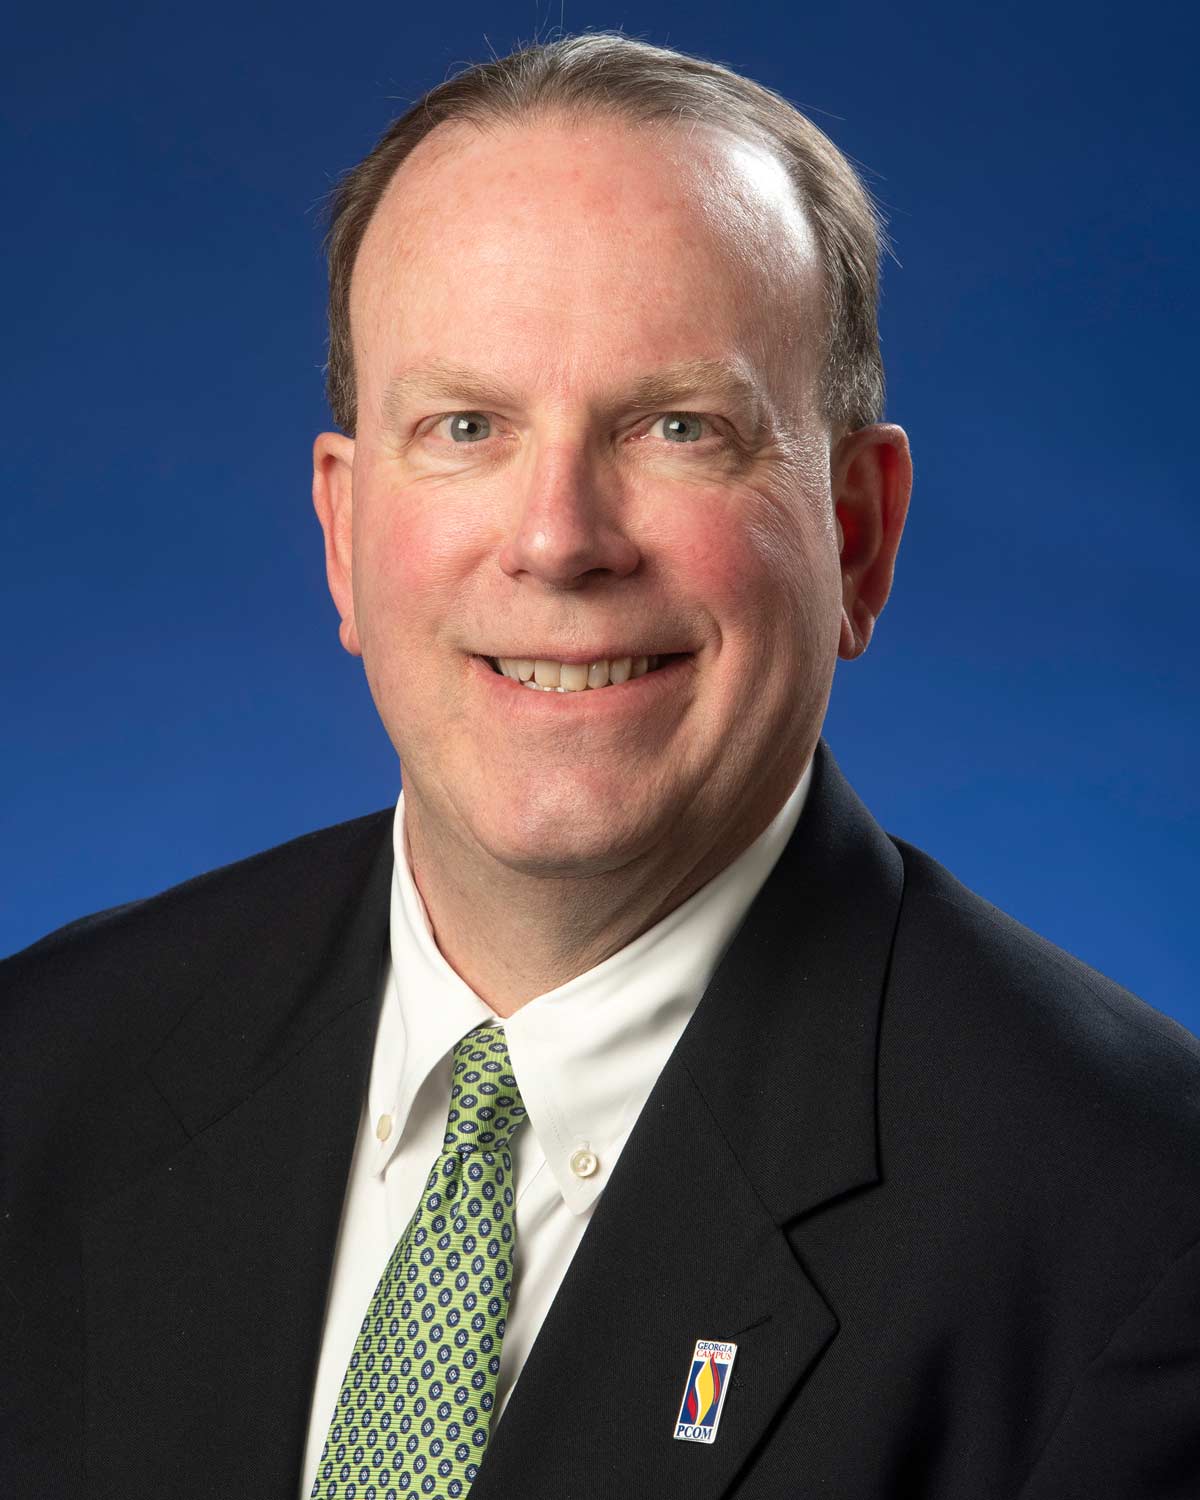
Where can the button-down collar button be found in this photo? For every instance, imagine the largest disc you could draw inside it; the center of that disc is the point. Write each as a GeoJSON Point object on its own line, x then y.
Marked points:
{"type": "Point", "coordinates": [584, 1162]}
{"type": "Point", "coordinates": [383, 1128]}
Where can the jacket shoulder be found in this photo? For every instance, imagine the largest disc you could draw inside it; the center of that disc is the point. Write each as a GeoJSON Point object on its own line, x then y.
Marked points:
{"type": "Point", "coordinates": [1040, 1072]}
{"type": "Point", "coordinates": [127, 965]}
{"type": "Point", "coordinates": [986, 950]}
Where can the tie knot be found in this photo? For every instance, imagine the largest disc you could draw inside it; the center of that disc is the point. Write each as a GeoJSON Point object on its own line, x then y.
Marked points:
{"type": "Point", "coordinates": [485, 1103]}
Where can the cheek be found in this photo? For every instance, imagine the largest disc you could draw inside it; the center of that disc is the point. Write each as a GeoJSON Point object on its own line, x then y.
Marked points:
{"type": "Point", "coordinates": [409, 571]}
{"type": "Point", "coordinates": [411, 554]}
{"type": "Point", "coordinates": [762, 570]}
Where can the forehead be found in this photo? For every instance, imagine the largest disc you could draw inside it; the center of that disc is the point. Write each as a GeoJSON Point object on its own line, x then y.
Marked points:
{"type": "Point", "coordinates": [588, 241]}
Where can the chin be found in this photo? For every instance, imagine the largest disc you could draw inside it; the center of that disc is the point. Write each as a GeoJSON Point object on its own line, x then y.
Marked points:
{"type": "Point", "coordinates": [556, 842]}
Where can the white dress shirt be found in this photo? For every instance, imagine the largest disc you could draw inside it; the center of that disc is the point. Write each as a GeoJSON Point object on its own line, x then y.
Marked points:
{"type": "Point", "coordinates": [585, 1056]}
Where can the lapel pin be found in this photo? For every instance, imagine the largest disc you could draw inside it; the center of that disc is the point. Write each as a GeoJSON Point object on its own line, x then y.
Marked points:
{"type": "Point", "coordinates": [704, 1395]}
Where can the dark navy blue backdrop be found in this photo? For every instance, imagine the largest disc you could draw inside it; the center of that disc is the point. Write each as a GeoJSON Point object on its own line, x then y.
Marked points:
{"type": "Point", "coordinates": [173, 692]}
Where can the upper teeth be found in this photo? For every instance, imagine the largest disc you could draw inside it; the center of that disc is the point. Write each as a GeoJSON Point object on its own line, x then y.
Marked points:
{"type": "Point", "coordinates": [574, 677]}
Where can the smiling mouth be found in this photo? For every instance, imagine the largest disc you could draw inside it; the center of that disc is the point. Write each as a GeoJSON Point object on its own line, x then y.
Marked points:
{"type": "Point", "coordinates": [548, 676]}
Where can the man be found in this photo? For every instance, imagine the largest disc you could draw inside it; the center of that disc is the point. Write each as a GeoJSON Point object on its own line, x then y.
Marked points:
{"type": "Point", "coordinates": [627, 1114]}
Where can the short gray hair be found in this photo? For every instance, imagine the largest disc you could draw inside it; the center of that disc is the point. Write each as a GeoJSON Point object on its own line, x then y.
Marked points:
{"type": "Point", "coordinates": [606, 73]}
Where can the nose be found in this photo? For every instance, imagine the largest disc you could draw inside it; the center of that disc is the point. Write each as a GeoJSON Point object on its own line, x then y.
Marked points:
{"type": "Point", "coordinates": [568, 530]}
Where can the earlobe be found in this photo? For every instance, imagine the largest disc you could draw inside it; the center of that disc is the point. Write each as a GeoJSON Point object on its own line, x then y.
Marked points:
{"type": "Point", "coordinates": [333, 501]}
{"type": "Point", "coordinates": [857, 624]}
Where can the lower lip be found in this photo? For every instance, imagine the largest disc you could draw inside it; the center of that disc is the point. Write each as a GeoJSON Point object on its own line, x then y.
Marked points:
{"type": "Point", "coordinates": [638, 695]}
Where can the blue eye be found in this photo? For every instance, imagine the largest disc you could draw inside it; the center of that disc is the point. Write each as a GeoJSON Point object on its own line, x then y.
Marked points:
{"type": "Point", "coordinates": [682, 427]}
{"type": "Point", "coordinates": [469, 427]}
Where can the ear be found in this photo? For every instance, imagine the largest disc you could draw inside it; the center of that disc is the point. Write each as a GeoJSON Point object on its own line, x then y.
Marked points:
{"type": "Point", "coordinates": [333, 500]}
{"type": "Point", "coordinates": [871, 479]}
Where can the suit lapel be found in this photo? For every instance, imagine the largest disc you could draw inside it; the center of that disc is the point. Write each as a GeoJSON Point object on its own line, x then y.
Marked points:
{"type": "Point", "coordinates": [205, 1280]}
{"type": "Point", "coordinates": [765, 1112]}
{"type": "Point", "coordinates": [680, 1248]}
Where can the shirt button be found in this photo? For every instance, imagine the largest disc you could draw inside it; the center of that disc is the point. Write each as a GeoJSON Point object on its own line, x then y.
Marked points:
{"type": "Point", "coordinates": [584, 1162]}
{"type": "Point", "coordinates": [384, 1128]}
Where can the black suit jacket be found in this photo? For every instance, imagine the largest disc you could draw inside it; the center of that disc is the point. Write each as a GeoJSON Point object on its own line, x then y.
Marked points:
{"type": "Point", "coordinates": [937, 1180]}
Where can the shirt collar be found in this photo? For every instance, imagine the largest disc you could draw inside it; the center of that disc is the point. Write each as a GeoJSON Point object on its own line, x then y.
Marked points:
{"type": "Point", "coordinates": [585, 1055]}
{"type": "Point", "coordinates": [426, 1006]}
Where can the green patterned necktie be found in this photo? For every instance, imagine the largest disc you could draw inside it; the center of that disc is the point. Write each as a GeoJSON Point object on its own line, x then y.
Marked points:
{"type": "Point", "coordinates": [415, 1409]}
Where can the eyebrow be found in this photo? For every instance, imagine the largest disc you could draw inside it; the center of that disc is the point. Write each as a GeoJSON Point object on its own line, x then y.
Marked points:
{"type": "Point", "coordinates": [662, 390]}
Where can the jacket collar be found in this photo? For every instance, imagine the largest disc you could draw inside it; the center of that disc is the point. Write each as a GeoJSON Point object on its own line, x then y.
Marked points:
{"type": "Point", "coordinates": [304, 942]}
{"type": "Point", "coordinates": [783, 1046]}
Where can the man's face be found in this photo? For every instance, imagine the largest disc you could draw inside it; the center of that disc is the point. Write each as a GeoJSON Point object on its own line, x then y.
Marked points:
{"type": "Point", "coordinates": [589, 431]}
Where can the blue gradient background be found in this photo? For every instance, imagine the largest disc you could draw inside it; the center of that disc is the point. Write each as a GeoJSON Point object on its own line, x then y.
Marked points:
{"type": "Point", "coordinates": [174, 694]}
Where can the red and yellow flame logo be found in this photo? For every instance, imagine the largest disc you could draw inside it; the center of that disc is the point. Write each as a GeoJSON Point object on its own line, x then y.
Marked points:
{"type": "Point", "coordinates": [705, 1392]}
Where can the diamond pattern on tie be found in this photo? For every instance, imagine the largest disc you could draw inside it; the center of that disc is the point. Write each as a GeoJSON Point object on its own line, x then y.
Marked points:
{"type": "Point", "coordinates": [414, 1413]}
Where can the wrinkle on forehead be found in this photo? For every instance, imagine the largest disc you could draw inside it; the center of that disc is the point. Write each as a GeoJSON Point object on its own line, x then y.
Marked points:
{"type": "Point", "coordinates": [730, 205]}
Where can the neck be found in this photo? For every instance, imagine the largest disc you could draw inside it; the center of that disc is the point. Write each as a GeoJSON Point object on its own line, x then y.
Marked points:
{"type": "Point", "coordinates": [512, 936]}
